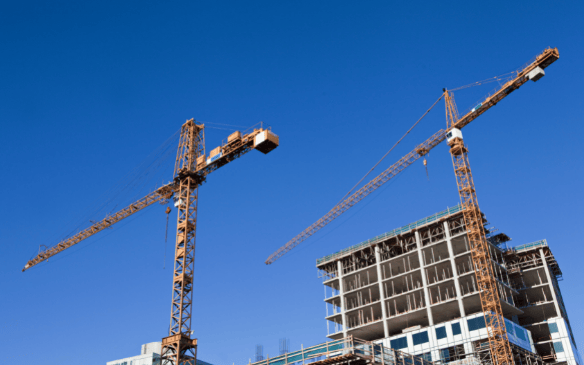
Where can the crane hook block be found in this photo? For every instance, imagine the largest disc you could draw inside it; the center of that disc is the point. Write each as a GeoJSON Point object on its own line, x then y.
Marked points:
{"type": "Point", "coordinates": [168, 210]}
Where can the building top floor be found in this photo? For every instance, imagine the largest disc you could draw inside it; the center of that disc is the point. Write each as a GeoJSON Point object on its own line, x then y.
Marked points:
{"type": "Point", "coordinates": [428, 234]}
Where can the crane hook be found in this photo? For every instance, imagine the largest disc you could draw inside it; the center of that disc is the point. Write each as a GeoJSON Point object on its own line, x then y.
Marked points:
{"type": "Point", "coordinates": [426, 166]}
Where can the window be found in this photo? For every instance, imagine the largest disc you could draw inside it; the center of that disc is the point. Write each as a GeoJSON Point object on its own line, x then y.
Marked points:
{"type": "Point", "coordinates": [445, 356]}
{"type": "Point", "coordinates": [399, 343]}
{"type": "Point", "coordinates": [558, 347]}
{"type": "Point", "coordinates": [427, 356]}
{"type": "Point", "coordinates": [452, 353]}
{"type": "Point", "coordinates": [520, 332]}
{"type": "Point", "coordinates": [420, 338]}
{"type": "Point", "coordinates": [440, 333]}
{"type": "Point", "coordinates": [476, 323]}
{"type": "Point", "coordinates": [553, 327]}
{"type": "Point", "coordinates": [456, 329]}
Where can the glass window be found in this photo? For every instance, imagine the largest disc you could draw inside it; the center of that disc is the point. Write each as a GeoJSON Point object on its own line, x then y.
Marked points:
{"type": "Point", "coordinates": [520, 332]}
{"type": "Point", "coordinates": [399, 343]}
{"type": "Point", "coordinates": [440, 333]}
{"type": "Point", "coordinates": [558, 347]}
{"type": "Point", "coordinates": [420, 338]}
{"type": "Point", "coordinates": [476, 323]}
{"type": "Point", "coordinates": [445, 356]}
{"type": "Point", "coordinates": [456, 329]}
{"type": "Point", "coordinates": [427, 356]}
{"type": "Point", "coordinates": [553, 327]}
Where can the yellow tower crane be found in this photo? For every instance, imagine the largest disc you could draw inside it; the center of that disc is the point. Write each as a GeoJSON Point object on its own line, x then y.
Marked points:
{"type": "Point", "coordinates": [480, 254]}
{"type": "Point", "coordinates": [533, 71]}
{"type": "Point", "coordinates": [191, 169]}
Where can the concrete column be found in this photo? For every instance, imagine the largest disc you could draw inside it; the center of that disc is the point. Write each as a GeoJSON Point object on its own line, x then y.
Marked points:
{"type": "Point", "coordinates": [454, 271]}
{"type": "Point", "coordinates": [433, 341]}
{"type": "Point", "coordinates": [342, 296]}
{"type": "Point", "coordinates": [424, 281]}
{"type": "Point", "coordinates": [551, 283]}
{"type": "Point", "coordinates": [381, 294]}
{"type": "Point", "coordinates": [468, 347]}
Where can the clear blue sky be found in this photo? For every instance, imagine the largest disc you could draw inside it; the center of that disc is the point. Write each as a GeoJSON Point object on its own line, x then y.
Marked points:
{"type": "Point", "coordinates": [90, 89]}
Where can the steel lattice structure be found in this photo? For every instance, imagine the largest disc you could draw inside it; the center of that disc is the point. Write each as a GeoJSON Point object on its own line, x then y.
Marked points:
{"type": "Point", "coordinates": [178, 347]}
{"type": "Point", "coordinates": [191, 169]}
{"type": "Point", "coordinates": [479, 247]}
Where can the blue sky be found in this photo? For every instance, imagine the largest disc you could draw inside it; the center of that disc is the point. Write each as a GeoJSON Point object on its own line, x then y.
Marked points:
{"type": "Point", "coordinates": [90, 89]}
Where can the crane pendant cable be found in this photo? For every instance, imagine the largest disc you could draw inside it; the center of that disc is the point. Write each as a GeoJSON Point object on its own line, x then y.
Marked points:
{"type": "Point", "coordinates": [391, 149]}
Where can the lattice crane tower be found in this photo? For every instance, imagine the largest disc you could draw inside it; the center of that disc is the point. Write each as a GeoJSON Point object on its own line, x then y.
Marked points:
{"type": "Point", "coordinates": [191, 169]}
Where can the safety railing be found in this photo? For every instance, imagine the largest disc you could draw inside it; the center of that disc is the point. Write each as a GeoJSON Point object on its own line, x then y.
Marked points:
{"type": "Point", "coordinates": [392, 233]}
{"type": "Point", "coordinates": [530, 246]}
{"type": "Point", "coordinates": [346, 347]}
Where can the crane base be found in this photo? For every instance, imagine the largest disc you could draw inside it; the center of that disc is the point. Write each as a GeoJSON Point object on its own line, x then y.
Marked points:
{"type": "Point", "coordinates": [179, 349]}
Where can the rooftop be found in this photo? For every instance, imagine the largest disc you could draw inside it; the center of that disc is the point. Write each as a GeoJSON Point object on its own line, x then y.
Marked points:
{"type": "Point", "coordinates": [530, 246]}
{"type": "Point", "coordinates": [392, 233]}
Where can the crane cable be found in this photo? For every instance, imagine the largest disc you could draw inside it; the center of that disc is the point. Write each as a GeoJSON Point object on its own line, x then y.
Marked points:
{"type": "Point", "coordinates": [391, 149]}
{"type": "Point", "coordinates": [503, 77]}
{"type": "Point", "coordinates": [167, 211]}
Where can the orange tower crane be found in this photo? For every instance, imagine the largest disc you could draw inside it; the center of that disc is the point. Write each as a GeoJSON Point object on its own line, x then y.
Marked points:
{"type": "Point", "coordinates": [533, 71]}
{"type": "Point", "coordinates": [191, 169]}
{"type": "Point", "coordinates": [490, 301]}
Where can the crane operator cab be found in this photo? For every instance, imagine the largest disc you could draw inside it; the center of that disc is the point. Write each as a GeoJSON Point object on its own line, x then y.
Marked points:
{"type": "Point", "coordinates": [452, 134]}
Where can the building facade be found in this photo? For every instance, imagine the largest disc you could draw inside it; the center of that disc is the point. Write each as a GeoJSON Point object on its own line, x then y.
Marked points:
{"type": "Point", "coordinates": [414, 289]}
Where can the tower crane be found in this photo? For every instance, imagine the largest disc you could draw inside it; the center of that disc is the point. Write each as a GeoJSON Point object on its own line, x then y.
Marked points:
{"type": "Point", "coordinates": [533, 71]}
{"type": "Point", "coordinates": [192, 166]}
{"type": "Point", "coordinates": [487, 283]}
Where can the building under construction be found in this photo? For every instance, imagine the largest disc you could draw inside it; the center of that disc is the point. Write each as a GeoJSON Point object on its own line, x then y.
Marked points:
{"type": "Point", "coordinates": [414, 289]}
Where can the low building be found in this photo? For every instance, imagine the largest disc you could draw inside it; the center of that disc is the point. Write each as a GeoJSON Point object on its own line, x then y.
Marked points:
{"type": "Point", "coordinates": [414, 288]}
{"type": "Point", "coordinates": [149, 355]}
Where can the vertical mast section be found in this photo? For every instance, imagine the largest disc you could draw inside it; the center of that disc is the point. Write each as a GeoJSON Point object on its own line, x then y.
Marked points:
{"type": "Point", "coordinates": [490, 301]}
{"type": "Point", "coordinates": [178, 347]}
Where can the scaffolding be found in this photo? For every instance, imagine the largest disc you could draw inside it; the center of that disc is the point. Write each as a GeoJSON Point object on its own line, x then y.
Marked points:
{"type": "Point", "coordinates": [348, 350]}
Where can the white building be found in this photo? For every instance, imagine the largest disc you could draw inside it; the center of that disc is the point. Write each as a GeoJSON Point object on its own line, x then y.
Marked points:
{"type": "Point", "coordinates": [414, 289]}
{"type": "Point", "coordinates": [149, 355]}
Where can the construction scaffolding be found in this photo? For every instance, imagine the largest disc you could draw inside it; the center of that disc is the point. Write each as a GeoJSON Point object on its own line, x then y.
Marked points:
{"type": "Point", "coordinates": [347, 350]}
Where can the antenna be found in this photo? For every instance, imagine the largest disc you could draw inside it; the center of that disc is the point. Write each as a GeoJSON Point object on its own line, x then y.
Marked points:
{"type": "Point", "coordinates": [259, 356]}
{"type": "Point", "coordinates": [284, 346]}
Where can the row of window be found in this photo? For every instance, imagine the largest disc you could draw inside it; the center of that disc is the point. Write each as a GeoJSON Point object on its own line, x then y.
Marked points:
{"type": "Point", "coordinates": [474, 324]}
{"type": "Point", "coordinates": [446, 355]}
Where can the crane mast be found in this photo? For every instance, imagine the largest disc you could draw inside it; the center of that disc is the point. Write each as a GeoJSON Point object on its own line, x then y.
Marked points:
{"type": "Point", "coordinates": [178, 347]}
{"type": "Point", "coordinates": [479, 247]}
